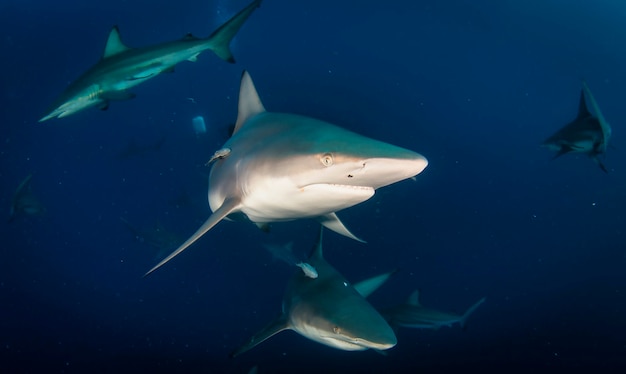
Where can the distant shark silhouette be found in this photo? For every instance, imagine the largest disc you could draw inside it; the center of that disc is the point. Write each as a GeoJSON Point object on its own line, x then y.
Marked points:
{"type": "Point", "coordinates": [329, 310]}
{"type": "Point", "coordinates": [134, 149]}
{"type": "Point", "coordinates": [586, 134]}
{"type": "Point", "coordinates": [280, 167]}
{"type": "Point", "coordinates": [24, 202]}
{"type": "Point", "coordinates": [122, 67]}
{"type": "Point", "coordinates": [413, 315]}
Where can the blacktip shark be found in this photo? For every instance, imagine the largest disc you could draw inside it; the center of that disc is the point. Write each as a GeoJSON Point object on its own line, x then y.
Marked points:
{"type": "Point", "coordinates": [281, 167]}
{"type": "Point", "coordinates": [586, 134]}
{"type": "Point", "coordinates": [329, 310]}
{"type": "Point", "coordinates": [122, 67]}
{"type": "Point", "coordinates": [413, 315]}
{"type": "Point", "coordinates": [24, 202]}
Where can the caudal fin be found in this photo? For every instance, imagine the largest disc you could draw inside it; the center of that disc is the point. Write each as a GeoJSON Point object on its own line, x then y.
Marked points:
{"type": "Point", "coordinates": [220, 39]}
{"type": "Point", "coordinates": [471, 310]}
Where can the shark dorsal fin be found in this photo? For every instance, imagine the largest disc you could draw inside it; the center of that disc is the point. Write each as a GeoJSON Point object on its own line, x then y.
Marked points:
{"type": "Point", "coordinates": [114, 44]}
{"type": "Point", "coordinates": [604, 125]}
{"type": "Point", "coordinates": [583, 112]}
{"type": "Point", "coordinates": [317, 248]}
{"type": "Point", "coordinates": [414, 299]}
{"type": "Point", "coordinates": [249, 102]}
{"type": "Point", "coordinates": [368, 286]}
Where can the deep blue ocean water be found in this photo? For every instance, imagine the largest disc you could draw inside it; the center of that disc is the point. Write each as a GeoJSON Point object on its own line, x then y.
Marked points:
{"type": "Point", "coordinates": [475, 86]}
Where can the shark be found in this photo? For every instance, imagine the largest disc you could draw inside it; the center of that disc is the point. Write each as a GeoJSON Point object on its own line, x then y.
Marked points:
{"type": "Point", "coordinates": [122, 68]}
{"type": "Point", "coordinates": [412, 314]}
{"type": "Point", "coordinates": [329, 310]}
{"type": "Point", "coordinates": [587, 134]}
{"type": "Point", "coordinates": [24, 202]}
{"type": "Point", "coordinates": [281, 166]}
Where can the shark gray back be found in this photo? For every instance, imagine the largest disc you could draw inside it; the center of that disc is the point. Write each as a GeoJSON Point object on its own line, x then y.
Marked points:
{"type": "Point", "coordinates": [122, 68]}
{"type": "Point", "coordinates": [280, 167]}
{"type": "Point", "coordinates": [412, 314]}
{"type": "Point", "coordinates": [329, 310]}
{"type": "Point", "coordinates": [587, 134]}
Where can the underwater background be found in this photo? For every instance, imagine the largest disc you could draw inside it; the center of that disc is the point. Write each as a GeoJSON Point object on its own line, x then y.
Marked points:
{"type": "Point", "coordinates": [474, 86]}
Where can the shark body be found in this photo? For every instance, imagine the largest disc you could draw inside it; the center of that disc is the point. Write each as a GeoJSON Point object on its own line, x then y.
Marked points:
{"type": "Point", "coordinates": [280, 167]}
{"type": "Point", "coordinates": [122, 68]}
{"type": "Point", "coordinates": [329, 310]}
{"type": "Point", "coordinates": [587, 134]}
{"type": "Point", "coordinates": [413, 315]}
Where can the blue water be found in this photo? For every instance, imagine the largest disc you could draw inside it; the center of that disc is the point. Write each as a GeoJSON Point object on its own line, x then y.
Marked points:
{"type": "Point", "coordinates": [475, 86]}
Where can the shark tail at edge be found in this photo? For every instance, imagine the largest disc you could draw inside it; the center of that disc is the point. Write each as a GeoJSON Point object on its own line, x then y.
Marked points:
{"type": "Point", "coordinates": [469, 312]}
{"type": "Point", "coordinates": [220, 39]}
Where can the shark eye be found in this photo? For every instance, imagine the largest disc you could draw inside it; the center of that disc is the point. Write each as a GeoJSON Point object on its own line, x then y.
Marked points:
{"type": "Point", "coordinates": [336, 329]}
{"type": "Point", "coordinates": [327, 159]}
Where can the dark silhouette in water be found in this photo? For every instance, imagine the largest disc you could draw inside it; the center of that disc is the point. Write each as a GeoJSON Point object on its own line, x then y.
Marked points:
{"type": "Point", "coordinates": [24, 202]}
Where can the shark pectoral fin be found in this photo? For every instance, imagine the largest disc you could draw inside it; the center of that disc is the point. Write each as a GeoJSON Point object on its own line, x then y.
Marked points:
{"type": "Point", "coordinates": [368, 286]}
{"type": "Point", "coordinates": [227, 207]}
{"type": "Point", "coordinates": [103, 106]}
{"type": "Point", "coordinates": [471, 310]}
{"type": "Point", "coordinates": [220, 38]}
{"type": "Point", "coordinates": [600, 163]}
{"type": "Point", "coordinates": [265, 227]}
{"type": "Point", "coordinates": [332, 222]}
{"type": "Point", "coordinates": [118, 95]}
{"type": "Point", "coordinates": [278, 325]}
{"type": "Point", "coordinates": [382, 353]}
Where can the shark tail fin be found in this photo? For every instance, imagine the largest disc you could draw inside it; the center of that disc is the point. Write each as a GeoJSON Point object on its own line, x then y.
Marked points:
{"type": "Point", "coordinates": [471, 310]}
{"type": "Point", "coordinates": [220, 38]}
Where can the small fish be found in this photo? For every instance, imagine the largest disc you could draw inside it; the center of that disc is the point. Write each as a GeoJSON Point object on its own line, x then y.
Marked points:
{"type": "Point", "coordinates": [308, 269]}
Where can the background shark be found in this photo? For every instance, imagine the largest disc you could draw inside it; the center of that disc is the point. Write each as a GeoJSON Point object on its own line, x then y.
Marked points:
{"type": "Point", "coordinates": [281, 167]}
{"type": "Point", "coordinates": [413, 315]}
{"type": "Point", "coordinates": [329, 310]}
{"type": "Point", "coordinates": [586, 134]}
{"type": "Point", "coordinates": [122, 68]}
{"type": "Point", "coordinates": [24, 202]}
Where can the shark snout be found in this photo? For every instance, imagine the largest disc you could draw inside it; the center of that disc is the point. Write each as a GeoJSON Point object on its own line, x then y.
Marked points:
{"type": "Point", "coordinates": [380, 172]}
